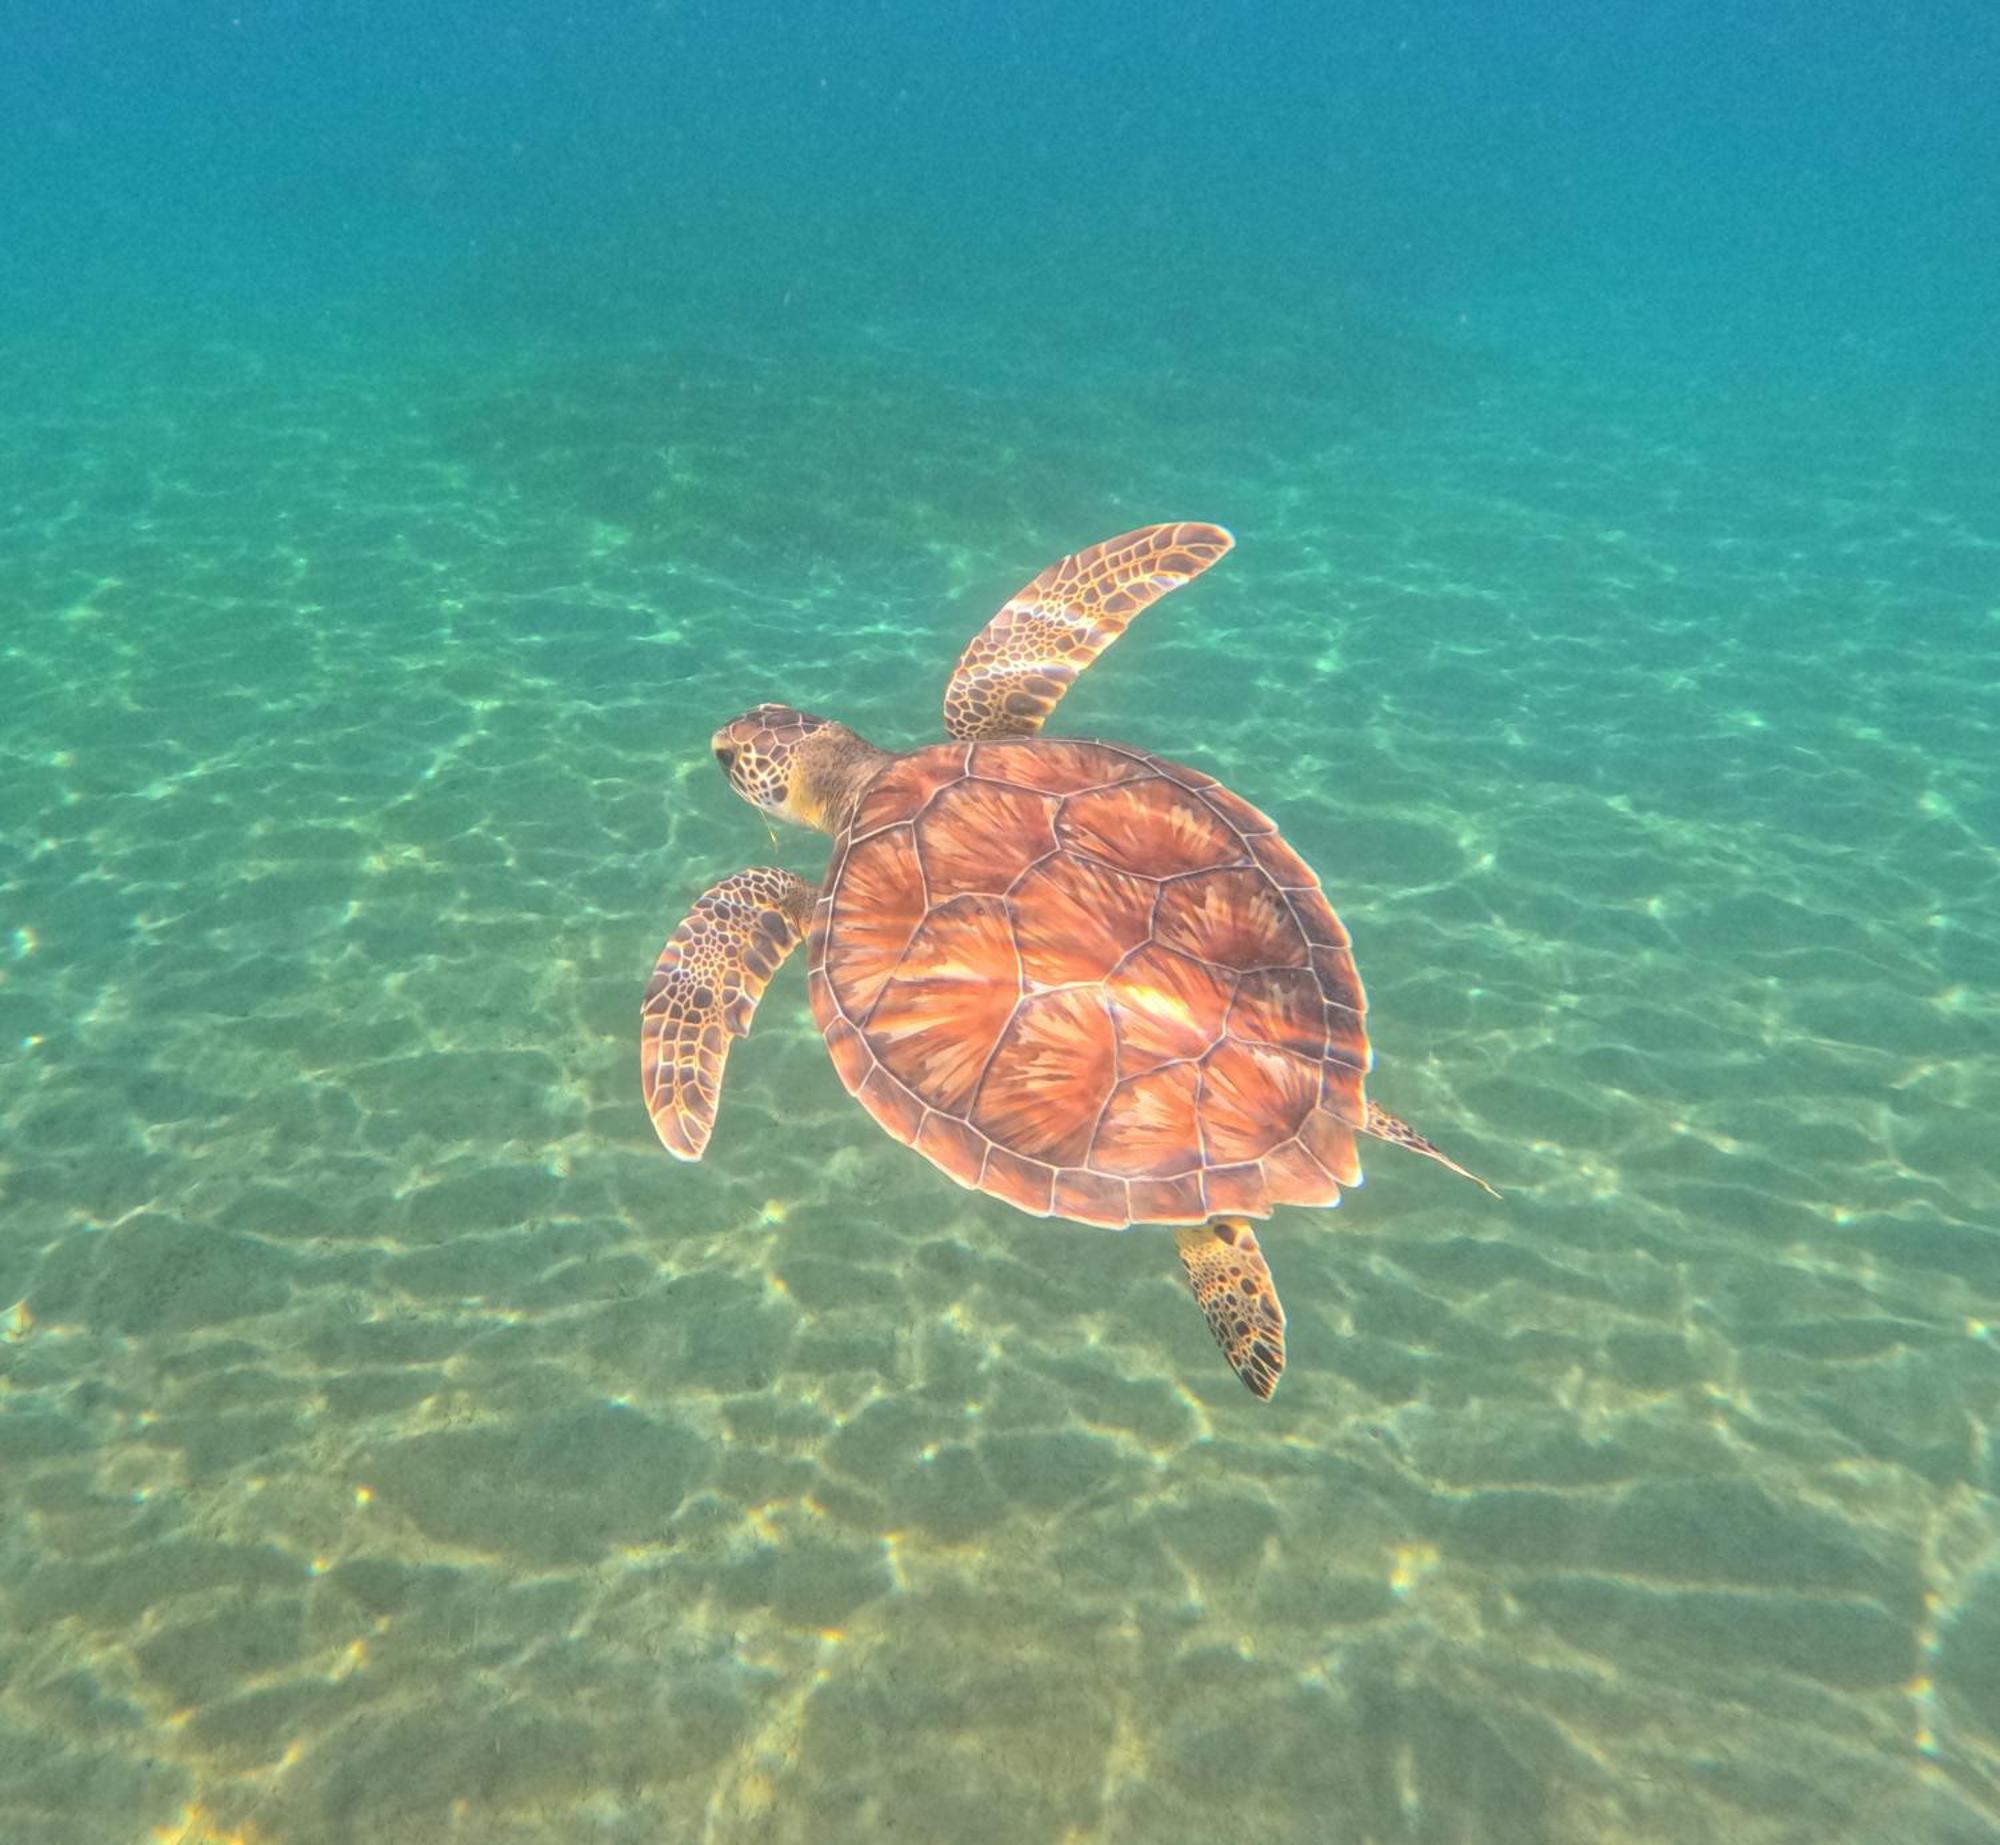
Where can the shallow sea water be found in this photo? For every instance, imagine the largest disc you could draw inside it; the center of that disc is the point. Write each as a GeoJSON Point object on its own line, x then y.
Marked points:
{"type": "Point", "coordinates": [398, 1445]}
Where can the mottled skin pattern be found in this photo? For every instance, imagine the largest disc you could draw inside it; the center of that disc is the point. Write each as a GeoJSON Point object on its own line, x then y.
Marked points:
{"type": "Point", "coordinates": [704, 989]}
{"type": "Point", "coordinates": [1022, 662]}
{"type": "Point", "coordinates": [1088, 980]}
{"type": "Point", "coordinates": [754, 757]}
{"type": "Point", "coordinates": [1232, 1286]}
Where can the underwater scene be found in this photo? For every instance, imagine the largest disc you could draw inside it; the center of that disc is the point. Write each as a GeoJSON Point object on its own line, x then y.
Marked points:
{"type": "Point", "coordinates": [418, 435]}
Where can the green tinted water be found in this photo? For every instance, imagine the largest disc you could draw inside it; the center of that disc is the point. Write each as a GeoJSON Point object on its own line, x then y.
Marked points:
{"type": "Point", "coordinates": [397, 1445]}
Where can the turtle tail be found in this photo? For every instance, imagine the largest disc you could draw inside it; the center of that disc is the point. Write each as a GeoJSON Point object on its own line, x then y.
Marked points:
{"type": "Point", "coordinates": [1385, 1126]}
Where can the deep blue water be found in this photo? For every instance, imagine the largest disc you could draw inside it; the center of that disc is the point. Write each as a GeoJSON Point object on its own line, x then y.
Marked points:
{"type": "Point", "coordinates": [1803, 179]}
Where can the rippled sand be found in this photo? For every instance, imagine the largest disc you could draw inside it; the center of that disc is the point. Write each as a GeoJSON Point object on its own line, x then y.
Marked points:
{"type": "Point", "coordinates": [398, 1446]}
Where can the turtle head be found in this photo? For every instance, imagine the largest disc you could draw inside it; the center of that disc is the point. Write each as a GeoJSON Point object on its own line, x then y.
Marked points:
{"type": "Point", "coordinates": [801, 768]}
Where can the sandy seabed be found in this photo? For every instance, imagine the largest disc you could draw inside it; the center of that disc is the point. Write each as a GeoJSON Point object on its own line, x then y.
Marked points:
{"type": "Point", "coordinates": [398, 1446]}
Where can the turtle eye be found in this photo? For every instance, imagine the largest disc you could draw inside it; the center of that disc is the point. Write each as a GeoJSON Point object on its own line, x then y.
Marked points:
{"type": "Point", "coordinates": [726, 755]}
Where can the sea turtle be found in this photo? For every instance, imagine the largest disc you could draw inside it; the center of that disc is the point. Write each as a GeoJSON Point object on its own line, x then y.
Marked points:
{"type": "Point", "coordinates": [1088, 980]}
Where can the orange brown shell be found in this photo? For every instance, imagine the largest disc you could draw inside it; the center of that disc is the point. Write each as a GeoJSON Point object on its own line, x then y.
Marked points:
{"type": "Point", "coordinates": [1091, 982]}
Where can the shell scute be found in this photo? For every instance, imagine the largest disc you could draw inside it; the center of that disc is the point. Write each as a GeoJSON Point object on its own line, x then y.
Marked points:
{"type": "Point", "coordinates": [1316, 920]}
{"type": "Point", "coordinates": [1075, 919]}
{"type": "Point", "coordinates": [952, 1146]}
{"type": "Point", "coordinates": [1347, 1054]}
{"type": "Point", "coordinates": [1330, 1141]}
{"type": "Point", "coordinates": [1339, 981]}
{"type": "Point", "coordinates": [1252, 1097]}
{"type": "Point", "coordinates": [1235, 918]}
{"type": "Point", "coordinates": [1251, 822]}
{"type": "Point", "coordinates": [891, 1103]}
{"type": "Point", "coordinates": [1166, 1007]}
{"type": "Point", "coordinates": [1055, 767]}
{"type": "Point", "coordinates": [904, 786]}
{"type": "Point", "coordinates": [1152, 1130]}
{"type": "Point", "coordinates": [1240, 1190]}
{"type": "Point", "coordinates": [1154, 828]}
{"type": "Point", "coordinates": [936, 1021]}
{"type": "Point", "coordinates": [1028, 1185]}
{"type": "Point", "coordinates": [1092, 1198]}
{"type": "Point", "coordinates": [878, 904]}
{"type": "Point", "coordinates": [1050, 1076]}
{"type": "Point", "coordinates": [1195, 781]}
{"type": "Point", "coordinates": [1169, 1201]}
{"type": "Point", "coordinates": [979, 837]}
{"type": "Point", "coordinates": [1295, 1177]}
{"type": "Point", "coordinates": [1284, 866]}
{"type": "Point", "coordinates": [1284, 1006]}
{"type": "Point", "coordinates": [851, 1055]}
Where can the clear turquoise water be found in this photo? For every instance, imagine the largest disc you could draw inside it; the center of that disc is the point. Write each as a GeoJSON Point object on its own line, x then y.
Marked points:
{"type": "Point", "coordinates": [419, 428]}
{"type": "Point", "coordinates": [398, 1445]}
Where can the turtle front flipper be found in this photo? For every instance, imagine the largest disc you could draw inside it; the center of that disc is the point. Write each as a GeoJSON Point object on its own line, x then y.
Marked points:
{"type": "Point", "coordinates": [1232, 1284]}
{"type": "Point", "coordinates": [1021, 663]}
{"type": "Point", "coordinates": [704, 990]}
{"type": "Point", "coordinates": [1385, 1126]}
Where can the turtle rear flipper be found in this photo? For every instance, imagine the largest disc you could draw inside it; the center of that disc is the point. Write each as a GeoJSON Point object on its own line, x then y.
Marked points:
{"type": "Point", "coordinates": [1021, 663]}
{"type": "Point", "coordinates": [1232, 1284]}
{"type": "Point", "coordinates": [704, 991]}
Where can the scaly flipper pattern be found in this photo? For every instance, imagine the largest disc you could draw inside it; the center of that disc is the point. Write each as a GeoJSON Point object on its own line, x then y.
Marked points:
{"type": "Point", "coordinates": [704, 991]}
{"type": "Point", "coordinates": [1232, 1284]}
{"type": "Point", "coordinates": [1385, 1126]}
{"type": "Point", "coordinates": [1022, 662]}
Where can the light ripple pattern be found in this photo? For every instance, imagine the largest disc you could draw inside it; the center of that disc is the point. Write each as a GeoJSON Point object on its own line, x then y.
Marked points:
{"type": "Point", "coordinates": [398, 1445]}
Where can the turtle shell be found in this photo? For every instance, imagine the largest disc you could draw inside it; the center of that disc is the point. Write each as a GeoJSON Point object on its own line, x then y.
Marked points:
{"type": "Point", "coordinates": [1091, 982]}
